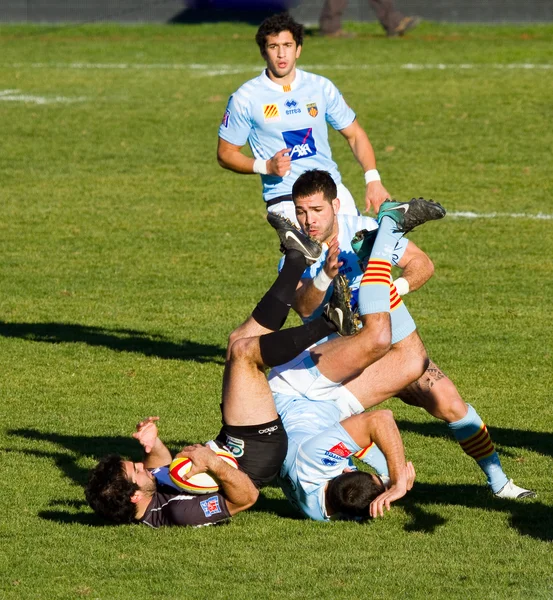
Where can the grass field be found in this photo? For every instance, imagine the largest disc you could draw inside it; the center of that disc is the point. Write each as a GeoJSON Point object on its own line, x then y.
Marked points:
{"type": "Point", "coordinates": [128, 256]}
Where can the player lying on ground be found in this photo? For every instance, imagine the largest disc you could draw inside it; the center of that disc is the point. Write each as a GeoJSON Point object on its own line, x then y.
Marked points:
{"type": "Point", "coordinates": [127, 492]}
{"type": "Point", "coordinates": [317, 211]}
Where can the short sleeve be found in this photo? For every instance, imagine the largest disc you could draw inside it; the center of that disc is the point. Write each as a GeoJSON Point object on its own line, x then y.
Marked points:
{"type": "Point", "coordinates": [236, 124]}
{"type": "Point", "coordinates": [338, 114]}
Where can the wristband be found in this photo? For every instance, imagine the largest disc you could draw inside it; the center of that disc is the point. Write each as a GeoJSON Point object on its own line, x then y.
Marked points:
{"type": "Point", "coordinates": [402, 286]}
{"type": "Point", "coordinates": [260, 166]}
{"type": "Point", "coordinates": [322, 281]}
{"type": "Point", "coordinates": [372, 175]}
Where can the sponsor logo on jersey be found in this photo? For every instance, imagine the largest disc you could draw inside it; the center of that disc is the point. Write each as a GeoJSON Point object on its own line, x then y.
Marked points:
{"type": "Point", "coordinates": [292, 107]}
{"type": "Point", "coordinates": [210, 506]}
{"type": "Point", "coordinates": [302, 143]}
{"type": "Point", "coordinates": [235, 446]}
{"type": "Point", "coordinates": [271, 113]}
{"type": "Point", "coordinates": [312, 109]}
{"type": "Point", "coordinates": [341, 450]}
{"type": "Point", "coordinates": [329, 462]}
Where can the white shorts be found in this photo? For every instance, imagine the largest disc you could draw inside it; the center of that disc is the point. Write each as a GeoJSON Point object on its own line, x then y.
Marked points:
{"type": "Point", "coordinates": [301, 378]}
{"type": "Point", "coordinates": [347, 205]}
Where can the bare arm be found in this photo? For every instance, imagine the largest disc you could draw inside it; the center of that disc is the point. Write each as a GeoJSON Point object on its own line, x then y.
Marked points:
{"type": "Point", "coordinates": [417, 268]}
{"type": "Point", "coordinates": [379, 427]}
{"type": "Point", "coordinates": [236, 486]}
{"type": "Point", "coordinates": [230, 157]}
{"type": "Point", "coordinates": [363, 151]}
{"type": "Point", "coordinates": [156, 454]}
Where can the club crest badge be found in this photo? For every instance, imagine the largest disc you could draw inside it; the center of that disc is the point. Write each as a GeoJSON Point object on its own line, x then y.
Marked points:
{"type": "Point", "coordinates": [312, 109]}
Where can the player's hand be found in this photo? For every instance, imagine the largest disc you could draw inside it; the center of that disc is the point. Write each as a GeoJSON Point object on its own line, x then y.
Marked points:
{"type": "Point", "coordinates": [146, 433]}
{"type": "Point", "coordinates": [375, 195]}
{"type": "Point", "coordinates": [332, 264]}
{"type": "Point", "coordinates": [280, 164]}
{"type": "Point", "coordinates": [203, 459]}
{"type": "Point", "coordinates": [396, 491]}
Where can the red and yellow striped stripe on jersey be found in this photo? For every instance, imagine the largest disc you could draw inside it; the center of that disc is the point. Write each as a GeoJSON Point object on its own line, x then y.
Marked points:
{"type": "Point", "coordinates": [479, 445]}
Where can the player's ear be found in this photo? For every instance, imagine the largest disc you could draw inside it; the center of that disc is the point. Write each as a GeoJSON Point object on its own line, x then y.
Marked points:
{"type": "Point", "coordinates": [298, 52]}
{"type": "Point", "coordinates": [137, 497]}
{"type": "Point", "coordinates": [336, 205]}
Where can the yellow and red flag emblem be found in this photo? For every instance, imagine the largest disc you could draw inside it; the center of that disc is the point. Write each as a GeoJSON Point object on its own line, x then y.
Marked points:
{"type": "Point", "coordinates": [271, 113]}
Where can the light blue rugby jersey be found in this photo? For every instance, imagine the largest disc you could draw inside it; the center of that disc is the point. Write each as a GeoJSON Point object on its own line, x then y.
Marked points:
{"type": "Point", "coordinates": [270, 119]}
{"type": "Point", "coordinates": [348, 226]}
{"type": "Point", "coordinates": [319, 450]}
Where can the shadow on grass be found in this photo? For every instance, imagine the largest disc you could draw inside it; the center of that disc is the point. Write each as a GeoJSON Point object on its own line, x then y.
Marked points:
{"type": "Point", "coordinates": [535, 441]}
{"type": "Point", "coordinates": [528, 517]}
{"type": "Point", "coordinates": [119, 340]}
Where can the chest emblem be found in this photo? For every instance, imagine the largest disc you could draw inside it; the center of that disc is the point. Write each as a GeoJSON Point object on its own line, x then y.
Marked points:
{"type": "Point", "coordinates": [271, 113]}
{"type": "Point", "coordinates": [312, 109]}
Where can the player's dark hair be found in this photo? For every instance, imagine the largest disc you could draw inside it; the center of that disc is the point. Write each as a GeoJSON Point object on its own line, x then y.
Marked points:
{"type": "Point", "coordinates": [109, 491]}
{"type": "Point", "coordinates": [312, 182]}
{"type": "Point", "coordinates": [277, 24]}
{"type": "Point", "coordinates": [350, 494]}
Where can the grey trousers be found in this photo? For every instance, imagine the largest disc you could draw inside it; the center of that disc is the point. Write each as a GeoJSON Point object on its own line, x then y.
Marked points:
{"type": "Point", "coordinates": [330, 19]}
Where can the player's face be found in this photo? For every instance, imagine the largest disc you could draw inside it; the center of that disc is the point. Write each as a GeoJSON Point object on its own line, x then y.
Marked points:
{"type": "Point", "coordinates": [317, 216]}
{"type": "Point", "coordinates": [281, 53]}
{"type": "Point", "coordinates": [139, 475]}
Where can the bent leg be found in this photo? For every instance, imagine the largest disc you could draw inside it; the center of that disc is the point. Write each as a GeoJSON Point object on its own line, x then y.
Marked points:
{"type": "Point", "coordinates": [403, 364]}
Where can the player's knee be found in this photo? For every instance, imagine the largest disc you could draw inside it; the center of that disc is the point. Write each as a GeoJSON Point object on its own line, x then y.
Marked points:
{"type": "Point", "coordinates": [242, 349]}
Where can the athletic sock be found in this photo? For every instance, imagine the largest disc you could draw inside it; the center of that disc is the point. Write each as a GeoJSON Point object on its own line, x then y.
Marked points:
{"type": "Point", "coordinates": [472, 434]}
{"type": "Point", "coordinates": [281, 346]}
{"type": "Point", "coordinates": [374, 290]}
{"type": "Point", "coordinates": [272, 310]}
{"type": "Point", "coordinates": [374, 457]}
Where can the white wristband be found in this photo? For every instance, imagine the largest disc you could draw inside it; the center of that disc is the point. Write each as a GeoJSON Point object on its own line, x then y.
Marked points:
{"type": "Point", "coordinates": [402, 286]}
{"type": "Point", "coordinates": [322, 281]}
{"type": "Point", "coordinates": [372, 175]}
{"type": "Point", "coordinates": [260, 166]}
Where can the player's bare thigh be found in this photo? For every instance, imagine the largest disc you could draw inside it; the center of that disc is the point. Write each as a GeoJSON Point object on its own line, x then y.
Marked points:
{"type": "Point", "coordinates": [401, 366]}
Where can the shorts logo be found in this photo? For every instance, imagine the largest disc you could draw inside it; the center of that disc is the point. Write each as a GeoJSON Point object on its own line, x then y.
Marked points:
{"type": "Point", "coordinates": [312, 109]}
{"type": "Point", "coordinates": [235, 446]}
{"type": "Point", "coordinates": [269, 430]}
{"type": "Point", "coordinates": [271, 113]}
{"type": "Point", "coordinates": [341, 450]}
{"type": "Point", "coordinates": [302, 143]}
{"type": "Point", "coordinates": [210, 506]}
{"type": "Point", "coordinates": [292, 108]}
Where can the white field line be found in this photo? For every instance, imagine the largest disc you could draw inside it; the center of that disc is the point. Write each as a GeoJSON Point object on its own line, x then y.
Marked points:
{"type": "Point", "coordinates": [223, 69]}
{"type": "Point", "coordinates": [496, 215]}
{"type": "Point", "coordinates": [17, 96]}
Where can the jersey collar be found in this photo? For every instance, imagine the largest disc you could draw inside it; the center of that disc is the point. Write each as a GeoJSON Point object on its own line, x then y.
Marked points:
{"type": "Point", "coordinates": [279, 88]}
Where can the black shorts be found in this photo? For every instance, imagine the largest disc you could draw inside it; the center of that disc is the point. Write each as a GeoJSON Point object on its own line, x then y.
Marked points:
{"type": "Point", "coordinates": [259, 449]}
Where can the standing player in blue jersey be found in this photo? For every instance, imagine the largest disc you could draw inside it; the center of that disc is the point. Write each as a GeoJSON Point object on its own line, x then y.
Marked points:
{"type": "Point", "coordinates": [283, 115]}
{"type": "Point", "coordinates": [317, 209]}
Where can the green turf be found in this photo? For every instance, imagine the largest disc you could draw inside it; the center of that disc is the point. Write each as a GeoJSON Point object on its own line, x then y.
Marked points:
{"type": "Point", "coordinates": [128, 256]}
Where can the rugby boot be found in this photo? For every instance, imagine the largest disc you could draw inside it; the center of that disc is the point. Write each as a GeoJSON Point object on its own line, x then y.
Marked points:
{"type": "Point", "coordinates": [362, 244]}
{"type": "Point", "coordinates": [292, 238]}
{"type": "Point", "coordinates": [338, 310]}
{"type": "Point", "coordinates": [407, 215]}
{"type": "Point", "coordinates": [513, 492]}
